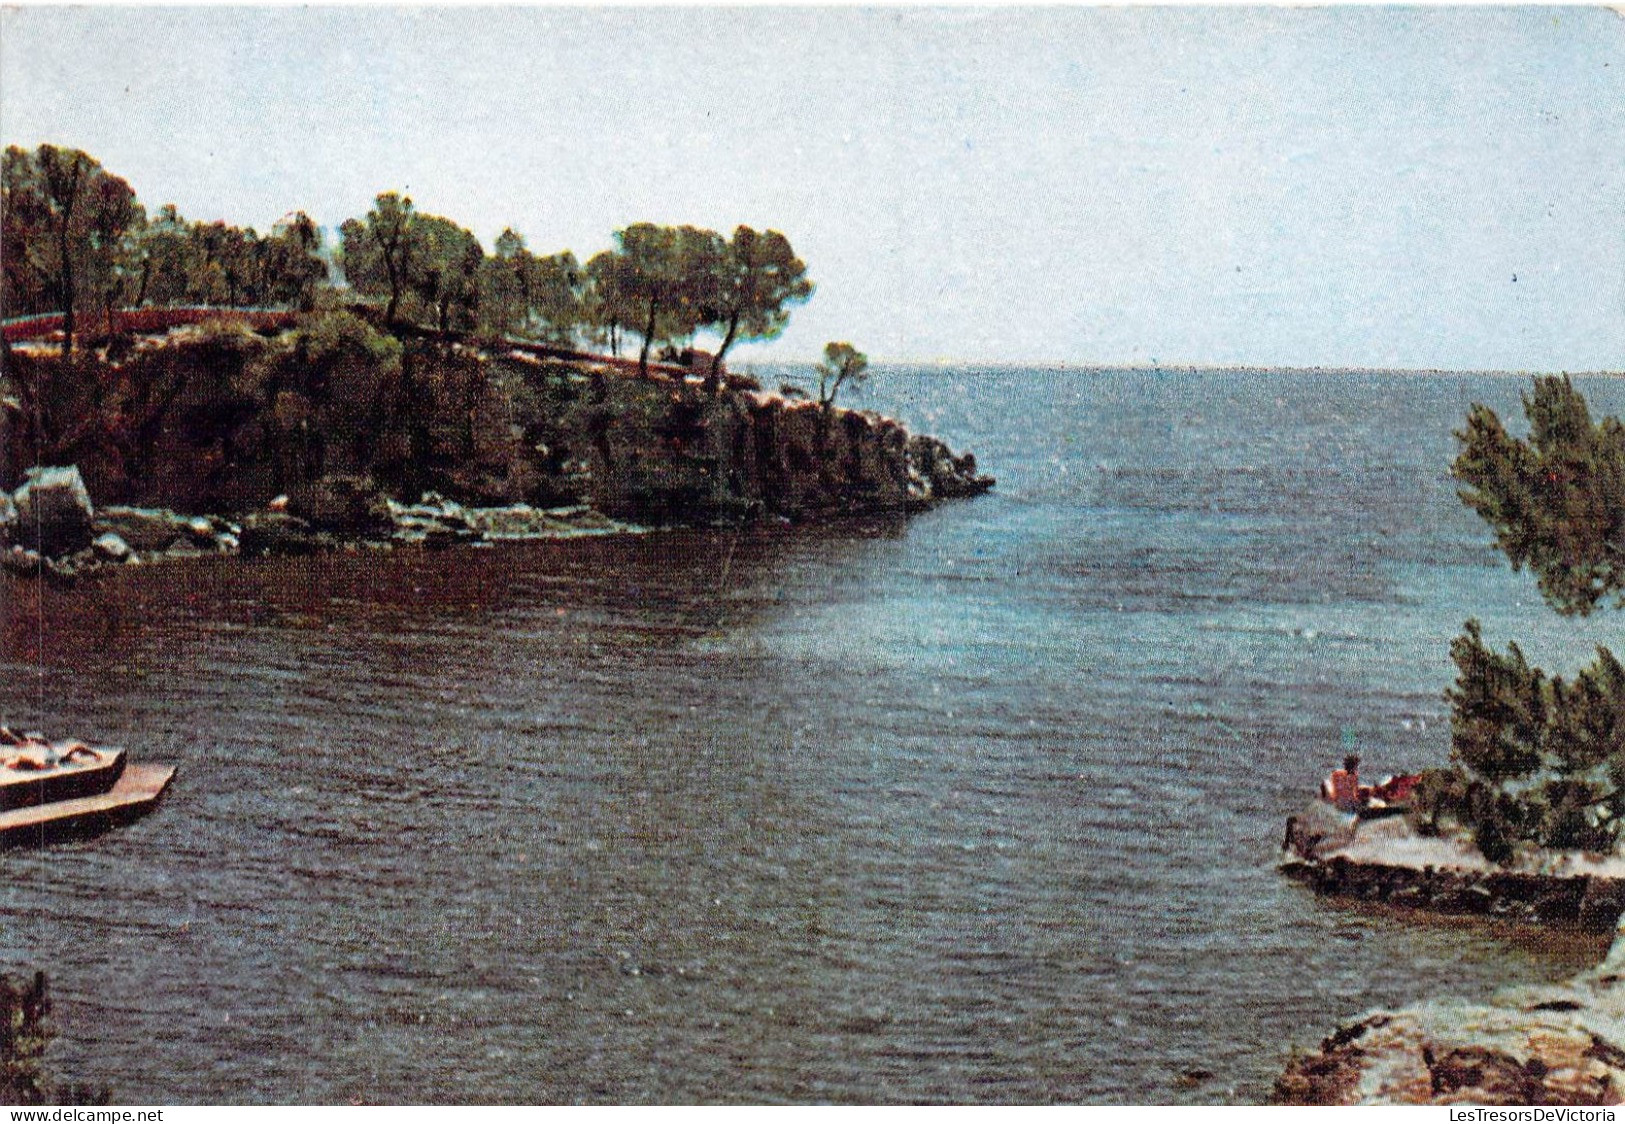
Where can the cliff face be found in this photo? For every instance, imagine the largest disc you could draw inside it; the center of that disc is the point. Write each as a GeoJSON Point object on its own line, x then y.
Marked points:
{"type": "Point", "coordinates": [659, 451]}
{"type": "Point", "coordinates": [223, 420]}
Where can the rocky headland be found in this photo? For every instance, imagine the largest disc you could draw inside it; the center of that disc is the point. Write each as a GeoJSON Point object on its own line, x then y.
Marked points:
{"type": "Point", "coordinates": [218, 438]}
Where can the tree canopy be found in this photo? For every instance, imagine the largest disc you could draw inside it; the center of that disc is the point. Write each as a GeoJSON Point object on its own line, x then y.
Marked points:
{"type": "Point", "coordinates": [668, 276]}
{"type": "Point", "coordinates": [536, 296]}
{"type": "Point", "coordinates": [67, 221]}
{"type": "Point", "coordinates": [1556, 500]}
{"type": "Point", "coordinates": [176, 262]}
{"type": "Point", "coordinates": [759, 278]}
{"type": "Point", "coordinates": [444, 271]}
{"type": "Point", "coordinates": [606, 304]}
{"type": "Point", "coordinates": [1537, 757]}
{"type": "Point", "coordinates": [843, 364]}
{"type": "Point", "coordinates": [76, 238]}
{"type": "Point", "coordinates": [376, 252]}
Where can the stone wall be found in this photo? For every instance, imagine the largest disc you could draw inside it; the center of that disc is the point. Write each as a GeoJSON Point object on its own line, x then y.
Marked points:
{"type": "Point", "coordinates": [1593, 903]}
{"type": "Point", "coordinates": [1384, 860]}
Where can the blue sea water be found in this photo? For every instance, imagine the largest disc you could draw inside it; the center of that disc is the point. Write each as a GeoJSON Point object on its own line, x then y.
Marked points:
{"type": "Point", "coordinates": [981, 808]}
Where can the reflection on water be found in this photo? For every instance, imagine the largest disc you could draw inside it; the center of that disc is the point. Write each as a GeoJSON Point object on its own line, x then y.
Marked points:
{"type": "Point", "coordinates": [979, 809]}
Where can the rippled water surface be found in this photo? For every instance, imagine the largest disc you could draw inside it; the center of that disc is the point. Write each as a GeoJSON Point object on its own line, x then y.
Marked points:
{"type": "Point", "coordinates": [981, 808]}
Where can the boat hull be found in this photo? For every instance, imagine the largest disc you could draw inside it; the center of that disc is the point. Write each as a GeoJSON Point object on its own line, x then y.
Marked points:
{"type": "Point", "coordinates": [135, 793]}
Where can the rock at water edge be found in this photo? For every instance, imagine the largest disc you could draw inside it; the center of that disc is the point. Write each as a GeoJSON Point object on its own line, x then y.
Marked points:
{"type": "Point", "coordinates": [54, 512]}
{"type": "Point", "coordinates": [8, 521]}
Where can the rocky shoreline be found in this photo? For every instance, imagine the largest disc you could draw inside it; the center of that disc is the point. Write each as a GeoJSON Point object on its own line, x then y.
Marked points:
{"type": "Point", "coordinates": [56, 533]}
{"type": "Point", "coordinates": [1590, 902]}
{"type": "Point", "coordinates": [1384, 861]}
{"type": "Point", "coordinates": [220, 440]}
{"type": "Point", "coordinates": [1558, 1045]}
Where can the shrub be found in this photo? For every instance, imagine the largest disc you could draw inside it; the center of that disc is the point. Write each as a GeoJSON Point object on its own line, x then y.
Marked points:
{"type": "Point", "coordinates": [25, 1032]}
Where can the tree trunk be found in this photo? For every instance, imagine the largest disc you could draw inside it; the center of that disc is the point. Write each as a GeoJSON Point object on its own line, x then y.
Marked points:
{"type": "Point", "coordinates": [648, 337]}
{"type": "Point", "coordinates": [394, 298]}
{"type": "Point", "coordinates": [393, 271]}
{"type": "Point", "coordinates": [715, 378]}
{"type": "Point", "coordinates": [67, 287]}
{"type": "Point", "coordinates": [68, 200]}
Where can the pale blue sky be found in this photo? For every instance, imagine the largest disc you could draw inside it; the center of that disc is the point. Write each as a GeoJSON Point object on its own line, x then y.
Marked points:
{"type": "Point", "coordinates": [1345, 186]}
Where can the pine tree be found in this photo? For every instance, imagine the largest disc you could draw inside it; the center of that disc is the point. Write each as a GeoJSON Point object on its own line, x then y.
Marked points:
{"type": "Point", "coordinates": [1540, 758]}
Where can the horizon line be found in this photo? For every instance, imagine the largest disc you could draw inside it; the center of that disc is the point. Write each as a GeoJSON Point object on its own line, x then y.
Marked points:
{"type": "Point", "coordinates": [1148, 367]}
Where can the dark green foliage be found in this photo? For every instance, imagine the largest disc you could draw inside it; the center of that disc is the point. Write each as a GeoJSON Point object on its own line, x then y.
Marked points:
{"type": "Point", "coordinates": [843, 365]}
{"type": "Point", "coordinates": [336, 339]}
{"type": "Point", "coordinates": [25, 1032]}
{"type": "Point", "coordinates": [1576, 815]}
{"type": "Point", "coordinates": [445, 266]}
{"type": "Point", "coordinates": [427, 267]}
{"type": "Point", "coordinates": [331, 399]}
{"type": "Point", "coordinates": [1538, 758]}
{"type": "Point", "coordinates": [1498, 709]}
{"type": "Point", "coordinates": [668, 282]}
{"type": "Point", "coordinates": [294, 269]}
{"type": "Point", "coordinates": [1490, 833]}
{"type": "Point", "coordinates": [376, 251]}
{"type": "Point", "coordinates": [607, 306]}
{"type": "Point", "coordinates": [224, 419]}
{"type": "Point", "coordinates": [181, 263]}
{"type": "Point", "coordinates": [433, 271]}
{"type": "Point", "coordinates": [68, 225]}
{"type": "Point", "coordinates": [523, 294]}
{"type": "Point", "coordinates": [1556, 500]}
{"type": "Point", "coordinates": [668, 277]}
{"type": "Point", "coordinates": [1588, 717]}
{"type": "Point", "coordinates": [759, 277]}
{"type": "Point", "coordinates": [1440, 794]}
{"type": "Point", "coordinates": [75, 238]}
